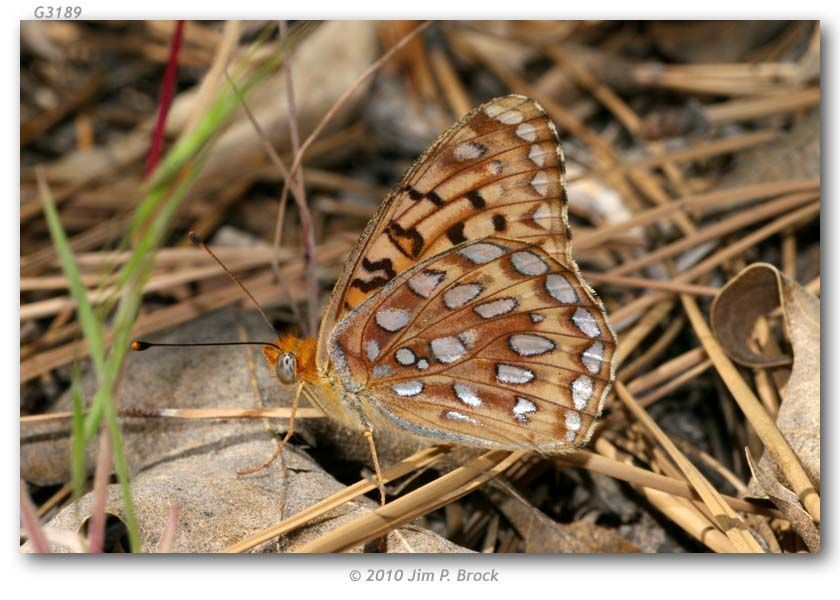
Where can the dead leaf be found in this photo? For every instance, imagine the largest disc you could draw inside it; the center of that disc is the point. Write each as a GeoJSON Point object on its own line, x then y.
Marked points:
{"type": "Point", "coordinates": [219, 508]}
{"type": "Point", "coordinates": [754, 292]}
{"type": "Point", "coordinates": [794, 155]}
{"type": "Point", "coordinates": [216, 377]}
{"type": "Point", "coordinates": [543, 534]}
{"type": "Point", "coordinates": [688, 41]}
{"type": "Point", "coordinates": [788, 503]}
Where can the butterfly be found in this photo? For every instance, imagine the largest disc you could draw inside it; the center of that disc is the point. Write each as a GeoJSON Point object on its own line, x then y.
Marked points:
{"type": "Point", "coordinates": [461, 316]}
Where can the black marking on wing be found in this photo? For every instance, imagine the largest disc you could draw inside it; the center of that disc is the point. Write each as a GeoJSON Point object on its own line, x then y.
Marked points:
{"type": "Point", "coordinates": [456, 233]}
{"type": "Point", "coordinates": [413, 193]}
{"type": "Point", "coordinates": [499, 222]}
{"type": "Point", "coordinates": [434, 198]}
{"type": "Point", "coordinates": [476, 199]}
{"type": "Point", "coordinates": [384, 265]}
{"type": "Point", "coordinates": [400, 236]}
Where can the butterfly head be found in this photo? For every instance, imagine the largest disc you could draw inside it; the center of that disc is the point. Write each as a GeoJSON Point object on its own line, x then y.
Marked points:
{"type": "Point", "coordinates": [292, 359]}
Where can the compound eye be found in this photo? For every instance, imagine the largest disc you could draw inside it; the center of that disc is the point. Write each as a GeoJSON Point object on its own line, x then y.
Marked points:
{"type": "Point", "coordinates": [287, 368]}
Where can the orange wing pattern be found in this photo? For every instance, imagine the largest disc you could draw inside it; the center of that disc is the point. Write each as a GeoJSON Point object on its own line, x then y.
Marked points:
{"type": "Point", "coordinates": [492, 343]}
{"type": "Point", "coordinates": [497, 172]}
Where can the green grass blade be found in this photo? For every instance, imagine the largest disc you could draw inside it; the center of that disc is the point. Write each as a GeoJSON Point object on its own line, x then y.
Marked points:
{"type": "Point", "coordinates": [91, 326]}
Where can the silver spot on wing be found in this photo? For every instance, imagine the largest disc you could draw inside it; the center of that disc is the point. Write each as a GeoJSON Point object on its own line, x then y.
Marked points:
{"type": "Point", "coordinates": [560, 289]}
{"type": "Point", "coordinates": [593, 356]}
{"type": "Point", "coordinates": [540, 183]}
{"type": "Point", "coordinates": [469, 151]}
{"type": "Point", "coordinates": [528, 263]}
{"type": "Point", "coordinates": [482, 252]}
{"type": "Point", "coordinates": [457, 296]}
{"type": "Point", "coordinates": [466, 394]}
{"type": "Point", "coordinates": [494, 308]}
{"type": "Point", "coordinates": [372, 350]}
{"type": "Point", "coordinates": [587, 324]}
{"type": "Point", "coordinates": [537, 155]}
{"type": "Point", "coordinates": [456, 416]}
{"type": "Point", "coordinates": [424, 283]}
{"type": "Point", "coordinates": [527, 132]}
{"type": "Point", "coordinates": [392, 319]}
{"type": "Point", "coordinates": [582, 389]}
{"type": "Point", "coordinates": [407, 388]}
{"type": "Point", "coordinates": [447, 349]}
{"type": "Point", "coordinates": [512, 374]}
{"type": "Point", "coordinates": [405, 357]}
{"type": "Point", "coordinates": [381, 371]}
{"type": "Point", "coordinates": [522, 408]}
{"type": "Point", "coordinates": [526, 344]}
{"type": "Point", "coordinates": [511, 117]}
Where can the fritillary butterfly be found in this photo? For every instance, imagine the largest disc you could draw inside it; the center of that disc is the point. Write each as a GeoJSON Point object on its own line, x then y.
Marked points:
{"type": "Point", "coordinates": [461, 316]}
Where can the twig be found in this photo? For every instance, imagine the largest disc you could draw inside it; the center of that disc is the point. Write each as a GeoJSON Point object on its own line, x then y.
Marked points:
{"type": "Point", "coordinates": [456, 96]}
{"type": "Point", "coordinates": [650, 284]}
{"type": "Point", "coordinates": [716, 231]}
{"type": "Point", "coordinates": [731, 197]}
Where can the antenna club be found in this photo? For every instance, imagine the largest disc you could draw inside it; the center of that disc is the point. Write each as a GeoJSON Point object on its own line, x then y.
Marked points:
{"type": "Point", "coordinates": [193, 237]}
{"type": "Point", "coordinates": [139, 346]}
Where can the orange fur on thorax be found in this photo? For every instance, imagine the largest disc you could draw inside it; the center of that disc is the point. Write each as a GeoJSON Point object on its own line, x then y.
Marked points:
{"type": "Point", "coordinates": [304, 351]}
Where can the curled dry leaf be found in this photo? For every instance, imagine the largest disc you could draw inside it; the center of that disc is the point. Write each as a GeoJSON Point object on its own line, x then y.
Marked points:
{"type": "Point", "coordinates": [754, 292]}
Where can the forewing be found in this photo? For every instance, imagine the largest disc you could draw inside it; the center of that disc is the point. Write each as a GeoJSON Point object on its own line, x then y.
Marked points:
{"type": "Point", "coordinates": [497, 172]}
{"type": "Point", "coordinates": [493, 343]}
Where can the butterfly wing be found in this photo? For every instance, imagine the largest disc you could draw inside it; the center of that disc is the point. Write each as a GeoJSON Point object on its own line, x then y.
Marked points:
{"type": "Point", "coordinates": [491, 343]}
{"type": "Point", "coordinates": [499, 171]}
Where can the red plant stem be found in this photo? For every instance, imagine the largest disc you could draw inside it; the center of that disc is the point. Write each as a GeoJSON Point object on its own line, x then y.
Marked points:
{"type": "Point", "coordinates": [167, 93]}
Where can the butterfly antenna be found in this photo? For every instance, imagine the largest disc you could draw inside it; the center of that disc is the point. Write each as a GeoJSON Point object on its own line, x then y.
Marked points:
{"type": "Point", "coordinates": [197, 241]}
{"type": "Point", "coordinates": [139, 346]}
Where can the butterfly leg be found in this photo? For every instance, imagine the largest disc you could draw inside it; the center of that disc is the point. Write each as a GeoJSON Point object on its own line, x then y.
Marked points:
{"type": "Point", "coordinates": [369, 437]}
{"type": "Point", "coordinates": [289, 433]}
